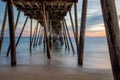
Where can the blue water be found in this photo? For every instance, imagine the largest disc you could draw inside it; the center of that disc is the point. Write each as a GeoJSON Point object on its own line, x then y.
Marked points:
{"type": "Point", "coordinates": [96, 54]}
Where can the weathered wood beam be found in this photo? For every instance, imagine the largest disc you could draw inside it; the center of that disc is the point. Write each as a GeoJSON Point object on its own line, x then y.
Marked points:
{"type": "Point", "coordinates": [35, 36]}
{"type": "Point", "coordinates": [82, 33]}
{"type": "Point", "coordinates": [37, 4]}
{"type": "Point", "coordinates": [66, 28]}
{"type": "Point", "coordinates": [76, 23]}
{"type": "Point", "coordinates": [38, 8]}
{"type": "Point", "coordinates": [3, 26]}
{"type": "Point", "coordinates": [73, 28]}
{"type": "Point", "coordinates": [113, 34]}
{"type": "Point", "coordinates": [62, 35]}
{"type": "Point", "coordinates": [39, 32]}
{"type": "Point", "coordinates": [20, 3]}
{"type": "Point", "coordinates": [44, 42]}
{"type": "Point", "coordinates": [29, 3]}
{"type": "Point", "coordinates": [19, 36]}
{"type": "Point", "coordinates": [66, 38]}
{"type": "Point", "coordinates": [17, 20]}
{"type": "Point", "coordinates": [39, 18]}
{"type": "Point", "coordinates": [31, 35]}
{"type": "Point", "coordinates": [50, 33]}
{"type": "Point", "coordinates": [60, 1]}
{"type": "Point", "coordinates": [12, 32]}
{"type": "Point", "coordinates": [46, 30]}
{"type": "Point", "coordinates": [41, 36]}
{"type": "Point", "coordinates": [22, 31]}
{"type": "Point", "coordinates": [67, 42]}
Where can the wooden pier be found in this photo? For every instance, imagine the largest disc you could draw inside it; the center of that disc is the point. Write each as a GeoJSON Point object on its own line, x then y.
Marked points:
{"type": "Point", "coordinates": [50, 16]}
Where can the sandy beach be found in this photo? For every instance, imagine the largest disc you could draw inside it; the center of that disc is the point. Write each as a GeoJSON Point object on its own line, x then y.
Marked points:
{"type": "Point", "coordinates": [50, 72]}
{"type": "Point", "coordinates": [39, 68]}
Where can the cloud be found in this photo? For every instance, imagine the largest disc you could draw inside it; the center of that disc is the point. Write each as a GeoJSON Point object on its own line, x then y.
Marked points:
{"type": "Point", "coordinates": [99, 27]}
{"type": "Point", "coordinates": [94, 18]}
{"type": "Point", "coordinates": [96, 30]}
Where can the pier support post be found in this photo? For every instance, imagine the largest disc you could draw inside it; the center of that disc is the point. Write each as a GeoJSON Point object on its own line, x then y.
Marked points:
{"type": "Point", "coordinates": [22, 31]}
{"type": "Point", "coordinates": [82, 33]}
{"type": "Point", "coordinates": [73, 29]}
{"type": "Point", "coordinates": [50, 31]}
{"type": "Point", "coordinates": [33, 38]}
{"type": "Point", "coordinates": [12, 32]}
{"type": "Point", "coordinates": [38, 37]}
{"type": "Point", "coordinates": [31, 35]}
{"type": "Point", "coordinates": [44, 41]}
{"type": "Point", "coordinates": [76, 23]}
{"type": "Point", "coordinates": [19, 35]}
{"type": "Point", "coordinates": [66, 39]}
{"type": "Point", "coordinates": [113, 34]}
{"type": "Point", "coordinates": [35, 35]}
{"type": "Point", "coordinates": [3, 27]}
{"type": "Point", "coordinates": [46, 30]}
{"type": "Point", "coordinates": [41, 36]}
{"type": "Point", "coordinates": [66, 28]}
{"type": "Point", "coordinates": [64, 35]}
{"type": "Point", "coordinates": [17, 20]}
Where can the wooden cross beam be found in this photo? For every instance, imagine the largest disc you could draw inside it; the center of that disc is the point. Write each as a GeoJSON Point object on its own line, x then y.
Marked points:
{"type": "Point", "coordinates": [43, 0]}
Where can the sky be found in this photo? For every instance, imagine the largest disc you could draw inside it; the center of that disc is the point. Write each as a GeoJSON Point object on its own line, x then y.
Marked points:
{"type": "Point", "coordinates": [94, 25]}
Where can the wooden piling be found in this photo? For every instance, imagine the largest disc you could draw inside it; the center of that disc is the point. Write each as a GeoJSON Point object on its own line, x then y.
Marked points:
{"type": "Point", "coordinates": [35, 36]}
{"type": "Point", "coordinates": [112, 32]}
{"type": "Point", "coordinates": [76, 23]}
{"type": "Point", "coordinates": [12, 32]}
{"type": "Point", "coordinates": [44, 41]}
{"type": "Point", "coordinates": [3, 27]}
{"type": "Point", "coordinates": [38, 37]}
{"type": "Point", "coordinates": [18, 37]}
{"type": "Point", "coordinates": [50, 33]}
{"type": "Point", "coordinates": [46, 30]}
{"type": "Point", "coordinates": [41, 36]}
{"type": "Point", "coordinates": [61, 35]}
{"type": "Point", "coordinates": [17, 20]}
{"type": "Point", "coordinates": [67, 42]}
{"type": "Point", "coordinates": [31, 35]}
{"type": "Point", "coordinates": [22, 31]}
{"type": "Point", "coordinates": [66, 28]}
{"type": "Point", "coordinates": [73, 29]}
{"type": "Point", "coordinates": [64, 35]}
{"type": "Point", "coordinates": [82, 33]}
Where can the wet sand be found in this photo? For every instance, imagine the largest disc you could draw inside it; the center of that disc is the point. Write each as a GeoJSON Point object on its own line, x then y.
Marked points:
{"type": "Point", "coordinates": [38, 67]}
{"type": "Point", "coordinates": [51, 72]}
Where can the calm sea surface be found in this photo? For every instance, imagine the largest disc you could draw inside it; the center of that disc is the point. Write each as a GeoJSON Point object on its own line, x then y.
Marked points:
{"type": "Point", "coordinates": [96, 54]}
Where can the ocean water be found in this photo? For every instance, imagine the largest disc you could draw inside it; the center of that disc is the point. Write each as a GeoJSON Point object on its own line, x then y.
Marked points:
{"type": "Point", "coordinates": [95, 54]}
